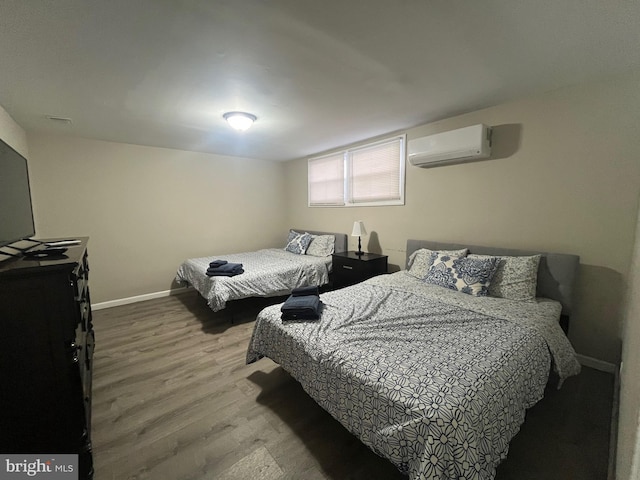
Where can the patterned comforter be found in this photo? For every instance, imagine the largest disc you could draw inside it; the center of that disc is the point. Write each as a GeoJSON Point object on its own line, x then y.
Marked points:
{"type": "Point", "coordinates": [268, 272]}
{"type": "Point", "coordinates": [434, 380]}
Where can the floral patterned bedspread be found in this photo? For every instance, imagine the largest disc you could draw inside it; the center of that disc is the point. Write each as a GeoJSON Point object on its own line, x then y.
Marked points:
{"type": "Point", "coordinates": [267, 272]}
{"type": "Point", "coordinates": [434, 380]}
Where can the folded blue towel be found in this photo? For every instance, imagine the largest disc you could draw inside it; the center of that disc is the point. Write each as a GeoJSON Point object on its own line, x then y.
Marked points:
{"type": "Point", "coordinates": [228, 269]}
{"type": "Point", "coordinates": [304, 307]}
{"type": "Point", "coordinates": [301, 291]}
{"type": "Point", "coordinates": [217, 263]}
{"type": "Point", "coordinates": [224, 274]}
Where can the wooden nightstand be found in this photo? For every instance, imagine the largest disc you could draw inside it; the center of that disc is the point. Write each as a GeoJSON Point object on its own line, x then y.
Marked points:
{"type": "Point", "coordinates": [349, 268]}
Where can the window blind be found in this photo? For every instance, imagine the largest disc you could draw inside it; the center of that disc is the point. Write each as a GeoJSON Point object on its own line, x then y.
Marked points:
{"type": "Point", "coordinates": [374, 173]}
{"type": "Point", "coordinates": [326, 180]}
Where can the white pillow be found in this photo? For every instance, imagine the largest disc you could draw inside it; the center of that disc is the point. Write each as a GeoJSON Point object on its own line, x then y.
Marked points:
{"type": "Point", "coordinates": [516, 277]}
{"type": "Point", "coordinates": [321, 245]}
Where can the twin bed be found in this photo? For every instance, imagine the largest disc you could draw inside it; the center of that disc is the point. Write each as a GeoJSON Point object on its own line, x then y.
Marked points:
{"type": "Point", "coordinates": [435, 380]}
{"type": "Point", "coordinates": [267, 273]}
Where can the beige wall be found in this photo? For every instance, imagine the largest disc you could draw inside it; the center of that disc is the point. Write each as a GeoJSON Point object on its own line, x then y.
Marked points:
{"type": "Point", "coordinates": [147, 209]}
{"type": "Point", "coordinates": [628, 461]}
{"type": "Point", "coordinates": [565, 177]}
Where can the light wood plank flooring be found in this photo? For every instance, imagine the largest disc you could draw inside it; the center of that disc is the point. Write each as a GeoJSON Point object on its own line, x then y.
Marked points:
{"type": "Point", "coordinates": [173, 399]}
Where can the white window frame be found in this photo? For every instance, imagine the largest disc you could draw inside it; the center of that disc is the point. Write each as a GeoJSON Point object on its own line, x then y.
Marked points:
{"type": "Point", "coordinates": [346, 156]}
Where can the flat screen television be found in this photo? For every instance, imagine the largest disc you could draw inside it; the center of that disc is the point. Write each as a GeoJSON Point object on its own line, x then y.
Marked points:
{"type": "Point", "coordinates": [16, 213]}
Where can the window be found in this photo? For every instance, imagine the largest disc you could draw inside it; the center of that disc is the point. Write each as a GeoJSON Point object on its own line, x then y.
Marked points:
{"type": "Point", "coordinates": [367, 175]}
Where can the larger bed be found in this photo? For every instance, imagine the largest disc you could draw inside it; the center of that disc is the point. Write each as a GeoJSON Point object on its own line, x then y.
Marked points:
{"type": "Point", "coordinates": [435, 380]}
{"type": "Point", "coordinates": [268, 272]}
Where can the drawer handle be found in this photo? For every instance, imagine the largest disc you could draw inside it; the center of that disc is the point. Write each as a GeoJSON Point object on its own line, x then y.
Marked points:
{"type": "Point", "coordinates": [348, 267]}
{"type": "Point", "coordinates": [74, 348]}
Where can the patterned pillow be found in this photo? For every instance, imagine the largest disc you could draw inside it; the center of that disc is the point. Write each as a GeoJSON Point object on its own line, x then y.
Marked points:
{"type": "Point", "coordinates": [467, 275]}
{"type": "Point", "coordinates": [420, 260]}
{"type": "Point", "coordinates": [516, 277]}
{"type": "Point", "coordinates": [298, 242]}
{"type": "Point", "coordinates": [321, 245]}
{"type": "Point", "coordinates": [292, 234]}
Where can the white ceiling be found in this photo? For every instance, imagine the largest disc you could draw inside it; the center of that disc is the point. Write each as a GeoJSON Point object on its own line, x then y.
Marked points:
{"type": "Point", "coordinates": [318, 74]}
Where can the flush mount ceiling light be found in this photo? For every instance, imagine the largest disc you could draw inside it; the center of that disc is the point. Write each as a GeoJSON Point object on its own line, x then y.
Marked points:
{"type": "Point", "coordinates": [240, 121]}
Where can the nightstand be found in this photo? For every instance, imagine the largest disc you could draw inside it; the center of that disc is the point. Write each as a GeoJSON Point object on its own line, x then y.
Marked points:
{"type": "Point", "coordinates": [349, 268]}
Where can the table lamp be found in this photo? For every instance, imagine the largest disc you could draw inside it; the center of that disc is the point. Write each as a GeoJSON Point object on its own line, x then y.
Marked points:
{"type": "Point", "coordinates": [358, 231]}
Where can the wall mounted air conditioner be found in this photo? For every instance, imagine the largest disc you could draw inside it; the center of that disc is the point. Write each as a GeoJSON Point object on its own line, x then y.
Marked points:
{"type": "Point", "coordinates": [456, 146]}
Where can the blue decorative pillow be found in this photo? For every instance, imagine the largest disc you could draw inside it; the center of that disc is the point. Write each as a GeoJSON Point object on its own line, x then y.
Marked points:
{"type": "Point", "coordinates": [298, 242]}
{"type": "Point", "coordinates": [420, 260]}
{"type": "Point", "coordinates": [292, 234]}
{"type": "Point", "coordinates": [467, 275]}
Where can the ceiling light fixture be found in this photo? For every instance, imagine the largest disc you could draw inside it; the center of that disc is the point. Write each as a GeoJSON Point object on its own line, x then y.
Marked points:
{"type": "Point", "coordinates": [240, 121]}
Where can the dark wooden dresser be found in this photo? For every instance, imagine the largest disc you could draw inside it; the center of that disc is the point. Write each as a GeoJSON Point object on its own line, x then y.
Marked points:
{"type": "Point", "coordinates": [46, 349]}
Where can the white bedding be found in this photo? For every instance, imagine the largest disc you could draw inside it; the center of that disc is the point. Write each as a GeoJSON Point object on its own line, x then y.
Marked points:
{"type": "Point", "coordinates": [267, 272]}
{"type": "Point", "coordinates": [434, 380]}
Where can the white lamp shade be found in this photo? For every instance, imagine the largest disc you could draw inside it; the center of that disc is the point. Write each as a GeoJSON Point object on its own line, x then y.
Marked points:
{"type": "Point", "coordinates": [240, 121]}
{"type": "Point", "coordinates": [358, 229]}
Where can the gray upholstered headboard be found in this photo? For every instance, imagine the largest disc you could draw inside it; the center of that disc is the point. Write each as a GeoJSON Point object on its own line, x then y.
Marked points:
{"type": "Point", "coordinates": [341, 238]}
{"type": "Point", "coordinates": [556, 273]}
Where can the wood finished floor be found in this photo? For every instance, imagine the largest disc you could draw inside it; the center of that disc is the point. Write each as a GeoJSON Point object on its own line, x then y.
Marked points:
{"type": "Point", "coordinates": [173, 399]}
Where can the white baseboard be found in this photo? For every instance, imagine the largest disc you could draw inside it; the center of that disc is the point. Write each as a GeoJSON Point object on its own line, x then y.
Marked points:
{"type": "Point", "coordinates": [138, 298]}
{"type": "Point", "coordinates": [597, 364]}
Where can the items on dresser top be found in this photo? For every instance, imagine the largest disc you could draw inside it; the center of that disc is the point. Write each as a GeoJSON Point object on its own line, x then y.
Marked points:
{"type": "Point", "coordinates": [63, 243]}
{"type": "Point", "coordinates": [45, 252]}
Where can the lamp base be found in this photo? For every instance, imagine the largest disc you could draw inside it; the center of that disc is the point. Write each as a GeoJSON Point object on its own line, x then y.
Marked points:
{"type": "Point", "coordinates": [359, 252]}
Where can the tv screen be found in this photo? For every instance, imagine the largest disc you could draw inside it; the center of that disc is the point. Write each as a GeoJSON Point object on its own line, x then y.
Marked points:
{"type": "Point", "coordinates": [16, 215]}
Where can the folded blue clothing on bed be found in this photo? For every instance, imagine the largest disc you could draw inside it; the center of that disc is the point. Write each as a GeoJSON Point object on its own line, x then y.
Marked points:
{"type": "Point", "coordinates": [227, 270]}
{"type": "Point", "coordinates": [301, 291]}
{"type": "Point", "coordinates": [217, 263]}
{"type": "Point", "coordinates": [224, 274]}
{"type": "Point", "coordinates": [304, 307]}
